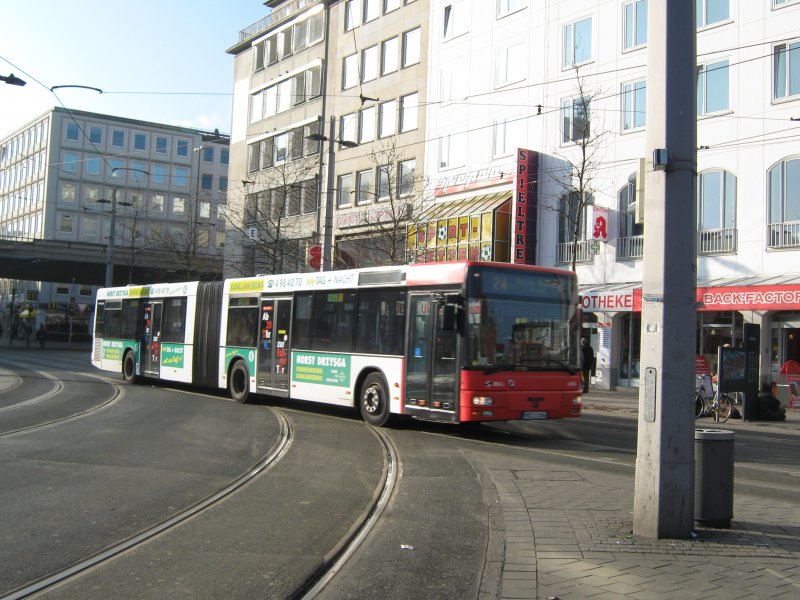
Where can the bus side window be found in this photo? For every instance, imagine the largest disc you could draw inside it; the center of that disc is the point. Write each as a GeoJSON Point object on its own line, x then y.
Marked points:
{"type": "Point", "coordinates": [301, 327]}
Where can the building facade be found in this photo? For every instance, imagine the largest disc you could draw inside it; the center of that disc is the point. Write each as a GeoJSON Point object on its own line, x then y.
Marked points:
{"type": "Point", "coordinates": [530, 147]}
{"type": "Point", "coordinates": [66, 175]}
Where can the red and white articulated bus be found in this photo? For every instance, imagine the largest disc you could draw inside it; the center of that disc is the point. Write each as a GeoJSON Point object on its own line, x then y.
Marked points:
{"type": "Point", "coordinates": [451, 342]}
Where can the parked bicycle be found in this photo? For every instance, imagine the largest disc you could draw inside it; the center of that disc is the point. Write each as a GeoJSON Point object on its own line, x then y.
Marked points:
{"type": "Point", "coordinates": [719, 406]}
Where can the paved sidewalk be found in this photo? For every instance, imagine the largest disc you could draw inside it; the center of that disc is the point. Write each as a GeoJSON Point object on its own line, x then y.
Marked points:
{"type": "Point", "coordinates": [568, 531]}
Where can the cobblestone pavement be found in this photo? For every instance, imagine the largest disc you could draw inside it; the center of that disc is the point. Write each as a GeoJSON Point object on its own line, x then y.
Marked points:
{"type": "Point", "coordinates": [568, 533]}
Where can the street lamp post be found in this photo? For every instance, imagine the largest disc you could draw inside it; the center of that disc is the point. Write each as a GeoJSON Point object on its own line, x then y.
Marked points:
{"type": "Point", "coordinates": [12, 79]}
{"type": "Point", "coordinates": [327, 239]}
{"type": "Point", "coordinates": [113, 223]}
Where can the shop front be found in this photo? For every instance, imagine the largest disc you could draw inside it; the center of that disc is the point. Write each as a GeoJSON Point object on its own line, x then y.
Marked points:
{"type": "Point", "coordinates": [724, 306]}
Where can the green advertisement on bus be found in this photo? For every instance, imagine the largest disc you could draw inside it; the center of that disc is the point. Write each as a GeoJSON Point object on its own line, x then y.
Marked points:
{"type": "Point", "coordinates": [113, 349]}
{"type": "Point", "coordinates": [325, 369]}
{"type": "Point", "coordinates": [246, 353]}
{"type": "Point", "coordinates": [172, 355]}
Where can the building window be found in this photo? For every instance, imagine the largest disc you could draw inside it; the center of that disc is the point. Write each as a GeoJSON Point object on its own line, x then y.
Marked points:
{"type": "Point", "coordinates": [68, 192]}
{"type": "Point", "coordinates": [407, 172]}
{"type": "Point", "coordinates": [224, 156]}
{"type": "Point", "coordinates": [452, 151]}
{"type": "Point", "coordinates": [180, 176]}
{"type": "Point", "coordinates": [140, 142]}
{"type": "Point", "coordinates": [347, 128]}
{"type": "Point", "coordinates": [390, 5]}
{"type": "Point", "coordinates": [205, 209]}
{"type": "Point", "coordinates": [784, 191]}
{"type": "Point", "coordinates": [503, 138]}
{"type": "Point", "coordinates": [206, 181]}
{"type": "Point", "coordinates": [635, 24]}
{"type": "Point", "coordinates": [716, 200]}
{"type": "Point", "coordinates": [389, 53]}
{"type": "Point", "coordinates": [313, 82]}
{"type": "Point", "coordinates": [781, 3]}
{"type": "Point", "coordinates": [161, 145]}
{"type": "Point", "coordinates": [208, 154]}
{"type": "Point", "coordinates": [786, 70]}
{"type": "Point", "coordinates": [634, 105]}
{"type": "Point", "coordinates": [369, 63]}
{"type": "Point", "coordinates": [157, 203]}
{"type": "Point", "coordinates": [573, 218]}
{"type": "Point", "coordinates": [344, 188]}
{"type": "Point", "coordinates": [455, 22]}
{"type": "Point", "coordinates": [70, 162]}
{"type": "Point", "coordinates": [711, 11]}
{"type": "Point", "coordinates": [387, 118]}
{"type": "Point", "coordinates": [383, 189]}
{"type": "Point", "coordinates": [578, 42]}
{"type": "Point", "coordinates": [178, 206]}
{"type": "Point", "coordinates": [366, 127]}
{"type": "Point", "coordinates": [182, 148]}
{"type": "Point", "coordinates": [411, 47]}
{"type": "Point", "coordinates": [118, 138]}
{"type": "Point", "coordinates": [575, 116]}
{"type": "Point", "coordinates": [223, 183]}
{"type": "Point", "coordinates": [350, 72]}
{"type": "Point", "coordinates": [365, 180]}
{"type": "Point", "coordinates": [371, 9]}
{"type": "Point", "coordinates": [712, 88]}
{"type": "Point", "coordinates": [65, 224]}
{"type": "Point", "coordinates": [116, 168]}
{"type": "Point", "coordinates": [159, 173]}
{"type": "Point", "coordinates": [409, 105]}
{"type": "Point", "coordinates": [94, 166]}
{"type": "Point", "coordinates": [73, 132]}
{"type": "Point", "coordinates": [506, 7]}
{"type": "Point", "coordinates": [350, 15]}
{"type": "Point", "coordinates": [510, 65]}
{"type": "Point", "coordinates": [628, 227]}
{"type": "Point", "coordinates": [96, 134]}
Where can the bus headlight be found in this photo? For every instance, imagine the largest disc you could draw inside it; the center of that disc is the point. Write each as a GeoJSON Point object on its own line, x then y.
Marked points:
{"type": "Point", "coordinates": [577, 400]}
{"type": "Point", "coordinates": [482, 401]}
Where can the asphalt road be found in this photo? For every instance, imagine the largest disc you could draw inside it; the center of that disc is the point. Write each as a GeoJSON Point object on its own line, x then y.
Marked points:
{"type": "Point", "coordinates": [111, 460]}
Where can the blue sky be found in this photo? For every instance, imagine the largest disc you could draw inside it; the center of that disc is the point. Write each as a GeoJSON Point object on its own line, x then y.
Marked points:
{"type": "Point", "coordinates": [140, 53]}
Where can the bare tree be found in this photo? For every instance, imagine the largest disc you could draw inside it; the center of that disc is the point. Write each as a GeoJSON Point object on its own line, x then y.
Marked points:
{"type": "Point", "coordinates": [278, 221]}
{"type": "Point", "coordinates": [397, 204]}
{"type": "Point", "coordinates": [575, 176]}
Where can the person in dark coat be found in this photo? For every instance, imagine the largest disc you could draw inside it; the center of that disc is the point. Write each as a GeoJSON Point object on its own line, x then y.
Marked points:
{"type": "Point", "coordinates": [587, 362]}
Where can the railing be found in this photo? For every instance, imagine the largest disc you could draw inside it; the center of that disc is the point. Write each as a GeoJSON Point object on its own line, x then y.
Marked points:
{"type": "Point", "coordinates": [273, 17]}
{"type": "Point", "coordinates": [716, 241]}
{"type": "Point", "coordinates": [564, 252]}
{"type": "Point", "coordinates": [629, 248]}
{"type": "Point", "coordinates": [784, 235]}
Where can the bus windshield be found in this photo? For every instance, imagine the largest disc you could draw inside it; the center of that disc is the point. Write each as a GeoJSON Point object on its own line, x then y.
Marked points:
{"type": "Point", "coordinates": [521, 320]}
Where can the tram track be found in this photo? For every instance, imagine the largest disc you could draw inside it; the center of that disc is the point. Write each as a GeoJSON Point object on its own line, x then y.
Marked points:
{"type": "Point", "coordinates": [63, 576]}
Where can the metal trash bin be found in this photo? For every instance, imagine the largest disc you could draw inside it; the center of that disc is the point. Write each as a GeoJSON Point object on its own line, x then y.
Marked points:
{"type": "Point", "coordinates": [713, 477]}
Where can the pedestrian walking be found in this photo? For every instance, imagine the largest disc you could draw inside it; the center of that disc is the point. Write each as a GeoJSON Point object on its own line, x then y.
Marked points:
{"type": "Point", "coordinates": [41, 334]}
{"type": "Point", "coordinates": [587, 363]}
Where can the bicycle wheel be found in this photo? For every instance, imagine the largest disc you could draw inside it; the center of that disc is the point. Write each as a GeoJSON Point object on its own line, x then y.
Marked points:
{"type": "Point", "coordinates": [699, 406]}
{"type": "Point", "coordinates": [723, 409]}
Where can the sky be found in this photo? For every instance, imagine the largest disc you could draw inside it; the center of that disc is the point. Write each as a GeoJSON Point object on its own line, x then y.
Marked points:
{"type": "Point", "coordinates": [156, 60]}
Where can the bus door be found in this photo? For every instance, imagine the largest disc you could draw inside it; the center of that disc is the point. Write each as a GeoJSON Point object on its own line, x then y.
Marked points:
{"type": "Point", "coordinates": [151, 339]}
{"type": "Point", "coordinates": [274, 342]}
{"type": "Point", "coordinates": [431, 365]}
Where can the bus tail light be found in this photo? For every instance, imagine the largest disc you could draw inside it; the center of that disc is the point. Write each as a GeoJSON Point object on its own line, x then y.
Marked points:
{"type": "Point", "coordinates": [482, 401]}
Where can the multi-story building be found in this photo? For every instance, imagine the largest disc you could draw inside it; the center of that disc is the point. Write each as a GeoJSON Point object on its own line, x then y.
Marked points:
{"type": "Point", "coordinates": [556, 90]}
{"type": "Point", "coordinates": [328, 129]}
{"type": "Point", "coordinates": [567, 82]}
{"type": "Point", "coordinates": [67, 174]}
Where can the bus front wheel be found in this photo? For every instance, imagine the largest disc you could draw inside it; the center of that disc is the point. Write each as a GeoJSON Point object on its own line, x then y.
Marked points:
{"type": "Point", "coordinates": [129, 368]}
{"type": "Point", "coordinates": [374, 400]}
{"type": "Point", "coordinates": [239, 382]}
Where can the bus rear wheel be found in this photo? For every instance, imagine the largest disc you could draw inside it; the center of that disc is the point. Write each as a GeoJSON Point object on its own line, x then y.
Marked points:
{"type": "Point", "coordinates": [374, 401]}
{"type": "Point", "coordinates": [129, 368]}
{"type": "Point", "coordinates": [239, 382]}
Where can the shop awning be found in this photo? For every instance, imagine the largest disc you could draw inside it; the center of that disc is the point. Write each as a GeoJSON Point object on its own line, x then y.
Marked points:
{"type": "Point", "coordinates": [469, 206]}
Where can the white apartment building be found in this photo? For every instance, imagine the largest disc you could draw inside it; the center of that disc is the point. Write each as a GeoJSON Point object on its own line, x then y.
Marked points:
{"type": "Point", "coordinates": [506, 74]}
{"type": "Point", "coordinates": [63, 173]}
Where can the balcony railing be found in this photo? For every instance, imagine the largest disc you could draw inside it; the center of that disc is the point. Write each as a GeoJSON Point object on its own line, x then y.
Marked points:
{"type": "Point", "coordinates": [274, 17]}
{"type": "Point", "coordinates": [630, 248]}
{"type": "Point", "coordinates": [716, 241]}
{"type": "Point", "coordinates": [564, 253]}
{"type": "Point", "coordinates": [784, 235]}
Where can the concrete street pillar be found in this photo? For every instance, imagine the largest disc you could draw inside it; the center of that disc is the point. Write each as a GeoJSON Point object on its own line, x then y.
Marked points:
{"type": "Point", "coordinates": [664, 487]}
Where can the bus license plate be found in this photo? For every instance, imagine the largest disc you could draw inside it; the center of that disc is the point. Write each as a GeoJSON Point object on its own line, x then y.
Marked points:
{"type": "Point", "coordinates": [534, 414]}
